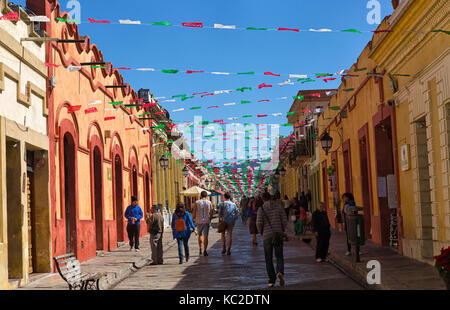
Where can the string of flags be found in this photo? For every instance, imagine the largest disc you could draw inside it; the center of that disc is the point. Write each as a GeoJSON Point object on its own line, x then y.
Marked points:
{"type": "Point", "coordinates": [201, 25]}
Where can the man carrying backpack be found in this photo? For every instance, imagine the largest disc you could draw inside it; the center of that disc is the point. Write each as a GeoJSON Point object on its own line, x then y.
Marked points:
{"type": "Point", "coordinates": [271, 222]}
{"type": "Point", "coordinates": [156, 229]}
{"type": "Point", "coordinates": [228, 213]}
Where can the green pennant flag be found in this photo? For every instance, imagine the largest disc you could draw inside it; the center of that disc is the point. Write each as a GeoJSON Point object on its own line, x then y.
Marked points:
{"type": "Point", "coordinates": [209, 136]}
{"type": "Point", "coordinates": [195, 108]}
{"type": "Point", "coordinates": [68, 20]}
{"type": "Point", "coordinates": [244, 102]}
{"type": "Point", "coordinates": [286, 125]}
{"type": "Point", "coordinates": [440, 30]}
{"type": "Point", "coordinates": [161, 24]}
{"type": "Point", "coordinates": [246, 73]}
{"type": "Point", "coordinates": [179, 96]}
{"type": "Point", "coordinates": [131, 105]}
{"type": "Point", "coordinates": [185, 98]}
{"type": "Point", "coordinates": [144, 114]}
{"type": "Point", "coordinates": [291, 113]}
{"type": "Point", "coordinates": [254, 28]}
{"type": "Point", "coordinates": [362, 69]}
{"type": "Point", "coordinates": [400, 74]}
{"type": "Point", "coordinates": [308, 80]}
{"type": "Point", "coordinates": [299, 97]}
{"type": "Point", "coordinates": [204, 123]}
{"type": "Point", "coordinates": [116, 103]}
{"type": "Point", "coordinates": [168, 154]}
{"type": "Point", "coordinates": [243, 88]}
{"type": "Point", "coordinates": [349, 89]}
{"type": "Point", "coordinates": [169, 71]}
{"type": "Point", "coordinates": [335, 108]}
{"type": "Point", "coordinates": [159, 127]}
{"type": "Point", "coordinates": [351, 30]}
{"type": "Point", "coordinates": [98, 67]}
{"type": "Point", "coordinates": [323, 74]}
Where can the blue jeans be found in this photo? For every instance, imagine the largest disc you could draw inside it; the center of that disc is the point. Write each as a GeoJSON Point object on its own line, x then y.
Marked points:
{"type": "Point", "coordinates": [181, 242]}
{"type": "Point", "coordinates": [268, 254]}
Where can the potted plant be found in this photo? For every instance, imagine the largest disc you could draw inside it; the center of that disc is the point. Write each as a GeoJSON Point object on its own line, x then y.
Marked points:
{"type": "Point", "coordinates": [442, 264]}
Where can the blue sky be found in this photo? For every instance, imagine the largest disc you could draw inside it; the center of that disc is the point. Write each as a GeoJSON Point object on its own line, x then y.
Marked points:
{"type": "Point", "coordinates": [228, 50]}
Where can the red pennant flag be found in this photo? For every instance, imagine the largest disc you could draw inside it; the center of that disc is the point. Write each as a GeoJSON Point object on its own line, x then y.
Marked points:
{"type": "Point", "coordinates": [13, 16]}
{"type": "Point", "coordinates": [90, 110]}
{"type": "Point", "coordinates": [51, 65]}
{"type": "Point", "coordinates": [73, 108]}
{"type": "Point", "coordinates": [380, 31]}
{"type": "Point", "coordinates": [315, 95]}
{"type": "Point", "coordinates": [288, 29]}
{"type": "Point", "coordinates": [264, 115]}
{"type": "Point", "coordinates": [264, 85]}
{"type": "Point", "coordinates": [144, 146]}
{"type": "Point", "coordinates": [321, 76]}
{"type": "Point", "coordinates": [270, 73]}
{"type": "Point", "coordinates": [110, 118]}
{"type": "Point", "coordinates": [190, 71]}
{"type": "Point", "coordinates": [205, 92]}
{"type": "Point", "coordinates": [146, 105]}
{"type": "Point", "coordinates": [158, 113]}
{"type": "Point", "coordinates": [214, 106]}
{"type": "Point", "coordinates": [99, 21]}
{"type": "Point", "coordinates": [264, 100]}
{"type": "Point", "coordinates": [122, 68]}
{"type": "Point", "coordinates": [219, 121]}
{"type": "Point", "coordinates": [198, 25]}
{"type": "Point", "coordinates": [211, 94]}
{"type": "Point", "coordinates": [329, 79]}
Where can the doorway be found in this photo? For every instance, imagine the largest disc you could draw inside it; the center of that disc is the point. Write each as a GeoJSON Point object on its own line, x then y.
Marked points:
{"type": "Point", "coordinates": [424, 189]}
{"type": "Point", "coordinates": [365, 187]}
{"type": "Point", "coordinates": [31, 212]}
{"type": "Point", "coordinates": [147, 193]}
{"type": "Point", "coordinates": [98, 197]}
{"type": "Point", "coordinates": [70, 193]}
{"type": "Point", "coordinates": [135, 182]}
{"type": "Point", "coordinates": [118, 190]}
{"type": "Point", "coordinates": [14, 209]}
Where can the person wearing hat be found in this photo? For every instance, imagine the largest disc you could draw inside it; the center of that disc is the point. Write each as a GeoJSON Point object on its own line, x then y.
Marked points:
{"type": "Point", "coordinates": [155, 223]}
{"type": "Point", "coordinates": [134, 214]}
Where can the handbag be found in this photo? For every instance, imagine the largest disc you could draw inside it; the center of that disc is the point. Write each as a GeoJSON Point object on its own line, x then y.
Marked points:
{"type": "Point", "coordinates": [277, 237]}
{"type": "Point", "coordinates": [221, 227]}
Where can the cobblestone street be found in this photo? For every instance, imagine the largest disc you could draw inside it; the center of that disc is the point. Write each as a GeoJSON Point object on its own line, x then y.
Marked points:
{"type": "Point", "coordinates": [243, 270]}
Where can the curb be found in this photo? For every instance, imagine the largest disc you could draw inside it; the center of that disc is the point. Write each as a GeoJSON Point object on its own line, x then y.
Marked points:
{"type": "Point", "coordinates": [112, 279]}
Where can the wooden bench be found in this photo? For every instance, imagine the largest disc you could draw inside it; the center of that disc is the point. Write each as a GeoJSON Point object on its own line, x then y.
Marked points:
{"type": "Point", "coordinates": [69, 269]}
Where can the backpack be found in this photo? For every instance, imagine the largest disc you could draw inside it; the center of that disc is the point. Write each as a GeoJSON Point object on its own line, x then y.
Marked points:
{"type": "Point", "coordinates": [230, 212]}
{"type": "Point", "coordinates": [180, 224]}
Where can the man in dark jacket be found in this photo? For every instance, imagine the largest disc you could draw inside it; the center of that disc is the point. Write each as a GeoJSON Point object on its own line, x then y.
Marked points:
{"type": "Point", "coordinates": [156, 229]}
{"type": "Point", "coordinates": [134, 214]}
{"type": "Point", "coordinates": [321, 228]}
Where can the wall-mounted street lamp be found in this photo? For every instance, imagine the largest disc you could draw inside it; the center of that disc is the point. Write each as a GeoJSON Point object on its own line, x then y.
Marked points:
{"type": "Point", "coordinates": [282, 171]}
{"type": "Point", "coordinates": [185, 171]}
{"type": "Point", "coordinates": [327, 142]}
{"type": "Point", "coordinates": [164, 161]}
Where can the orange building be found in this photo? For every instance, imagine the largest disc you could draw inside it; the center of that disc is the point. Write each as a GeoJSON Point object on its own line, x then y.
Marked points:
{"type": "Point", "coordinates": [100, 153]}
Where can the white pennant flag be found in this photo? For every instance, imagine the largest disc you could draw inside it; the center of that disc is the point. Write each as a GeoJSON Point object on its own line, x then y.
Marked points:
{"type": "Point", "coordinates": [287, 82]}
{"type": "Point", "coordinates": [331, 93]}
{"type": "Point", "coordinates": [231, 103]}
{"type": "Point", "coordinates": [321, 30]}
{"type": "Point", "coordinates": [298, 76]}
{"type": "Point", "coordinates": [145, 69]}
{"type": "Point", "coordinates": [160, 98]}
{"type": "Point", "coordinates": [178, 110]}
{"type": "Point", "coordinates": [220, 26]}
{"type": "Point", "coordinates": [146, 128]}
{"type": "Point", "coordinates": [233, 118]}
{"type": "Point", "coordinates": [277, 114]}
{"type": "Point", "coordinates": [282, 98]}
{"type": "Point", "coordinates": [224, 73]}
{"type": "Point", "coordinates": [130, 22]}
{"type": "Point", "coordinates": [95, 102]}
{"type": "Point", "coordinates": [171, 100]}
{"type": "Point", "coordinates": [44, 19]}
{"type": "Point", "coordinates": [73, 68]}
{"type": "Point", "coordinates": [216, 92]}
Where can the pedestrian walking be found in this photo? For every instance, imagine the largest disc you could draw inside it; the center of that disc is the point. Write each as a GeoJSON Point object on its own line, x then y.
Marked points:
{"type": "Point", "coordinates": [244, 209]}
{"type": "Point", "coordinates": [349, 208]}
{"type": "Point", "coordinates": [271, 222]}
{"type": "Point", "coordinates": [202, 214]}
{"type": "Point", "coordinates": [301, 221]}
{"type": "Point", "coordinates": [228, 213]}
{"type": "Point", "coordinates": [252, 213]}
{"type": "Point", "coordinates": [155, 223]}
{"type": "Point", "coordinates": [321, 228]}
{"type": "Point", "coordinates": [287, 205]}
{"type": "Point", "coordinates": [182, 227]}
{"type": "Point", "coordinates": [134, 214]}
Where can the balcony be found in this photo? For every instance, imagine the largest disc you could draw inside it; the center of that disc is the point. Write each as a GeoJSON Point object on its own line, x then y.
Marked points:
{"type": "Point", "coordinates": [301, 152]}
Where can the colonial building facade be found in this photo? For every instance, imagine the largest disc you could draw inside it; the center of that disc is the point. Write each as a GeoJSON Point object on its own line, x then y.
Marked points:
{"type": "Point", "coordinates": [25, 242]}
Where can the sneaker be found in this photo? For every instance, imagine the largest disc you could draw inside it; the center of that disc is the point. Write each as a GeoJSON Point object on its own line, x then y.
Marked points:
{"type": "Point", "coordinates": [271, 284]}
{"type": "Point", "coordinates": [137, 250]}
{"type": "Point", "coordinates": [181, 262]}
{"type": "Point", "coordinates": [348, 253]}
{"type": "Point", "coordinates": [280, 277]}
{"type": "Point", "coordinates": [319, 260]}
{"type": "Point", "coordinates": [200, 252]}
{"type": "Point", "coordinates": [205, 253]}
{"type": "Point", "coordinates": [131, 248]}
{"type": "Point", "coordinates": [229, 252]}
{"type": "Point", "coordinates": [187, 259]}
{"type": "Point", "coordinates": [224, 251]}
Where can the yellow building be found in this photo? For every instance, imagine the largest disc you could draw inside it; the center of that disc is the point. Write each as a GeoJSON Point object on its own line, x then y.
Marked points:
{"type": "Point", "coordinates": [422, 107]}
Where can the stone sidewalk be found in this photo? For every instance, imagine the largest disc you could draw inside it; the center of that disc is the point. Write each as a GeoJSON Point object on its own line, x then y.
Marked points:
{"type": "Point", "coordinates": [397, 272]}
{"type": "Point", "coordinates": [118, 264]}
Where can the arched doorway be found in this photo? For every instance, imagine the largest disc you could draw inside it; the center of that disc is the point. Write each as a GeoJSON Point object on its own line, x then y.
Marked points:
{"type": "Point", "coordinates": [118, 199]}
{"type": "Point", "coordinates": [69, 193]}
{"type": "Point", "coordinates": [98, 197]}
{"type": "Point", "coordinates": [135, 182]}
